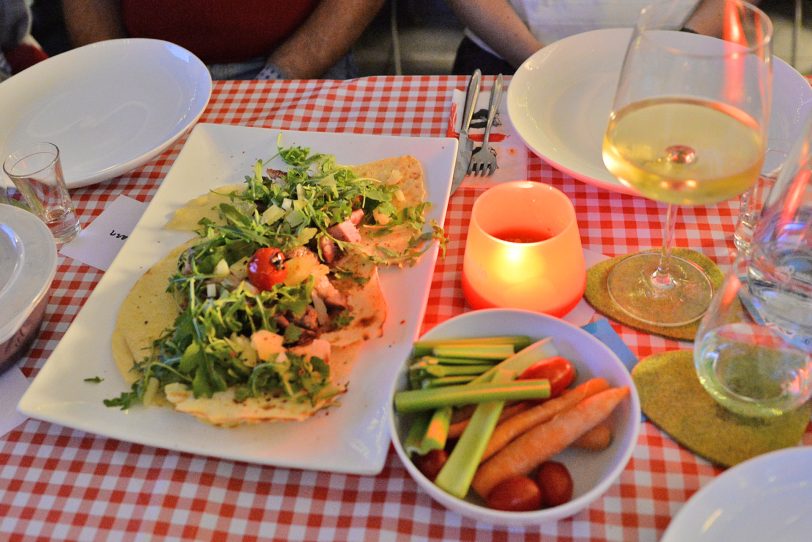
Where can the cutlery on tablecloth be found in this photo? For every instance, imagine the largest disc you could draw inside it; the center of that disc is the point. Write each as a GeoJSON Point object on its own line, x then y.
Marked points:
{"type": "Point", "coordinates": [466, 146]}
{"type": "Point", "coordinates": [483, 158]}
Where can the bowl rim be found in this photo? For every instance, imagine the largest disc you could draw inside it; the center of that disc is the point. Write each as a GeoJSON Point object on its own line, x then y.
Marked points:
{"type": "Point", "coordinates": [544, 515]}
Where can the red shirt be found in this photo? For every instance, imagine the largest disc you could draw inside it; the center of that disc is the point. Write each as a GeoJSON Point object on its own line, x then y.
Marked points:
{"type": "Point", "coordinates": [217, 31]}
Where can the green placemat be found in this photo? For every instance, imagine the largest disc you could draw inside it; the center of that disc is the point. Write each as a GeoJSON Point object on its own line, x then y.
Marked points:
{"type": "Point", "coordinates": [597, 295]}
{"type": "Point", "coordinates": [674, 400]}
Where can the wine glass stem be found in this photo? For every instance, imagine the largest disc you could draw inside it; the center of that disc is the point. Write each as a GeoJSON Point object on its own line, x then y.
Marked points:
{"type": "Point", "coordinates": [662, 279]}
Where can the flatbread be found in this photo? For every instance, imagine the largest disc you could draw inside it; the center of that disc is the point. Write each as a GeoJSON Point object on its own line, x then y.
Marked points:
{"type": "Point", "coordinates": [386, 247]}
{"type": "Point", "coordinates": [187, 217]}
{"type": "Point", "coordinates": [222, 410]}
{"type": "Point", "coordinates": [407, 172]}
{"type": "Point", "coordinates": [368, 308]}
{"type": "Point", "coordinates": [147, 311]}
{"type": "Point", "coordinates": [404, 171]}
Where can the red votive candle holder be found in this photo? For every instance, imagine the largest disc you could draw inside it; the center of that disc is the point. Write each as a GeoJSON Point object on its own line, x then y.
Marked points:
{"type": "Point", "coordinates": [523, 250]}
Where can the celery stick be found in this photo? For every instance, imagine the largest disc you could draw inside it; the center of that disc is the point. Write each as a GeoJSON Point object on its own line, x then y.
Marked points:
{"type": "Point", "coordinates": [483, 351]}
{"type": "Point", "coordinates": [455, 370]}
{"type": "Point", "coordinates": [429, 431]}
{"type": "Point", "coordinates": [414, 438]}
{"type": "Point", "coordinates": [465, 361]}
{"type": "Point", "coordinates": [431, 398]}
{"type": "Point", "coordinates": [456, 475]}
{"type": "Point", "coordinates": [428, 361]}
{"type": "Point", "coordinates": [447, 381]}
{"type": "Point", "coordinates": [523, 359]}
{"type": "Point", "coordinates": [425, 346]}
{"type": "Point", "coordinates": [437, 431]}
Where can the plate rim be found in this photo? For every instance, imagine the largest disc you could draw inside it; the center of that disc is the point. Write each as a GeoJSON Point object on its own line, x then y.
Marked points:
{"type": "Point", "coordinates": [55, 411]}
{"type": "Point", "coordinates": [599, 35]}
{"type": "Point", "coordinates": [42, 73]}
{"type": "Point", "coordinates": [746, 468]}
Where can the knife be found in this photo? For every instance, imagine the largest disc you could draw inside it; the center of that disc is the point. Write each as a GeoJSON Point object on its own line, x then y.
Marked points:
{"type": "Point", "coordinates": [465, 146]}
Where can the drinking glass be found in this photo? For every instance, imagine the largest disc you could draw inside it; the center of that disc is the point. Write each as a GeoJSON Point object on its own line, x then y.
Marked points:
{"type": "Point", "coordinates": [687, 127]}
{"type": "Point", "coordinates": [36, 171]}
{"type": "Point", "coordinates": [753, 351]}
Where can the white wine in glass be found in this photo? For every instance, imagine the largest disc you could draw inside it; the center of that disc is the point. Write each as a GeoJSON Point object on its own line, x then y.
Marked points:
{"type": "Point", "coordinates": [688, 127]}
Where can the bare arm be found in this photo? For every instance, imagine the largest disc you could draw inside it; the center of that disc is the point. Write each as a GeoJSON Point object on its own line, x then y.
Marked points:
{"type": "Point", "coordinates": [496, 22]}
{"type": "Point", "coordinates": [89, 21]}
{"type": "Point", "coordinates": [708, 16]}
{"type": "Point", "coordinates": [326, 36]}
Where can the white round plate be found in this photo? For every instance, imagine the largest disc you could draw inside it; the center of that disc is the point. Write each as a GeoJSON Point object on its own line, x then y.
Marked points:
{"type": "Point", "coordinates": [768, 497]}
{"type": "Point", "coordinates": [26, 268]}
{"type": "Point", "coordinates": [109, 106]}
{"type": "Point", "coordinates": [560, 98]}
{"type": "Point", "coordinates": [592, 472]}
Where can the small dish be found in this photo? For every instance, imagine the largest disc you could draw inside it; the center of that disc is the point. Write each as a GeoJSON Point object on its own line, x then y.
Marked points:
{"type": "Point", "coordinates": [765, 498]}
{"type": "Point", "coordinates": [26, 271]}
{"type": "Point", "coordinates": [592, 472]}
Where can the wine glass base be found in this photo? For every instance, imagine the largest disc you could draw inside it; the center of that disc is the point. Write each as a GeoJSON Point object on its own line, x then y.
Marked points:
{"type": "Point", "coordinates": [682, 299]}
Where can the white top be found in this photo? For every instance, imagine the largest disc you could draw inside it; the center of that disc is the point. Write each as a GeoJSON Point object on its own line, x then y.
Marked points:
{"type": "Point", "coordinates": [551, 20]}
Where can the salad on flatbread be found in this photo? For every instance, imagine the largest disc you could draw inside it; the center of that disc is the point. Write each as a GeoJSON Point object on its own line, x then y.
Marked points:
{"type": "Point", "coordinates": [258, 317]}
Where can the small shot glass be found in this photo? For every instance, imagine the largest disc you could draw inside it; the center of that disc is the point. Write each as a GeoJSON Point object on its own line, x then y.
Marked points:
{"type": "Point", "coordinates": [36, 171]}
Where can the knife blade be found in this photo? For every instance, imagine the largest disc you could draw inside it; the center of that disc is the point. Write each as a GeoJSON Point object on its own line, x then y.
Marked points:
{"type": "Point", "coordinates": [465, 146]}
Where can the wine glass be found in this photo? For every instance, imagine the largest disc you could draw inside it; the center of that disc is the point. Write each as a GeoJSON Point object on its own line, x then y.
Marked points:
{"type": "Point", "coordinates": [688, 127]}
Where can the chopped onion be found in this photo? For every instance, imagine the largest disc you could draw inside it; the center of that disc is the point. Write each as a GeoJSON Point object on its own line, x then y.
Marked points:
{"type": "Point", "coordinates": [321, 309]}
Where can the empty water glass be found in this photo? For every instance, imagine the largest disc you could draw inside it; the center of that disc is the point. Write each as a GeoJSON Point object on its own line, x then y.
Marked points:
{"type": "Point", "coordinates": [36, 171]}
{"type": "Point", "coordinates": [753, 350]}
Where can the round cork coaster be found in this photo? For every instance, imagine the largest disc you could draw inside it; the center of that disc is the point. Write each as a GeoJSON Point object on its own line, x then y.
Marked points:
{"type": "Point", "coordinates": [673, 399]}
{"type": "Point", "coordinates": [597, 295]}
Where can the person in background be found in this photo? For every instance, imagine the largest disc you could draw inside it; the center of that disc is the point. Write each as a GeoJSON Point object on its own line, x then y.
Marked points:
{"type": "Point", "coordinates": [18, 49]}
{"type": "Point", "coordinates": [241, 39]}
{"type": "Point", "coordinates": [501, 34]}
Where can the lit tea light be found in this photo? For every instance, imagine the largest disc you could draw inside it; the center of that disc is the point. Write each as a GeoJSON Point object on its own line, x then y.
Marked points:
{"type": "Point", "coordinates": [523, 250]}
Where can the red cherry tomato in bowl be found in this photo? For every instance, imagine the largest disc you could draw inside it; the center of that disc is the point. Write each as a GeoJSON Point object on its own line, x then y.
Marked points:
{"type": "Point", "coordinates": [266, 268]}
{"type": "Point", "coordinates": [559, 371]}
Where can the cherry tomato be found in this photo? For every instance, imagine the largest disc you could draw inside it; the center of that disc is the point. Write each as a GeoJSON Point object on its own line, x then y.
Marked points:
{"type": "Point", "coordinates": [555, 482]}
{"type": "Point", "coordinates": [266, 268]}
{"type": "Point", "coordinates": [517, 494]}
{"type": "Point", "coordinates": [559, 371]}
{"type": "Point", "coordinates": [431, 463]}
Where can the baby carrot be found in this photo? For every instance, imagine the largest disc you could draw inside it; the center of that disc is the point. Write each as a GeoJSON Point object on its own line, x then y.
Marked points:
{"type": "Point", "coordinates": [596, 439]}
{"type": "Point", "coordinates": [522, 422]}
{"type": "Point", "coordinates": [543, 441]}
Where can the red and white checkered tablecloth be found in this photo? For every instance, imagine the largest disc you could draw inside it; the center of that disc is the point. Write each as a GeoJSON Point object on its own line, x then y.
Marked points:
{"type": "Point", "coordinates": [61, 484]}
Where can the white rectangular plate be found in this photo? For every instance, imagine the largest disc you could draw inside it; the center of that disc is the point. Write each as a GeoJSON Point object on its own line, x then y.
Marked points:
{"type": "Point", "coordinates": [351, 437]}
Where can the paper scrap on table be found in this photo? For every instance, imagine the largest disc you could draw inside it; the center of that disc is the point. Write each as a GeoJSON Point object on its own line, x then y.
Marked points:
{"type": "Point", "coordinates": [98, 243]}
{"type": "Point", "coordinates": [583, 312]}
{"type": "Point", "coordinates": [12, 387]}
{"type": "Point", "coordinates": [511, 153]}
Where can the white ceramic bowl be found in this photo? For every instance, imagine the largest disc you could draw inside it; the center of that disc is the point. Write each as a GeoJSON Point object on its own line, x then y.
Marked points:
{"type": "Point", "coordinates": [592, 472]}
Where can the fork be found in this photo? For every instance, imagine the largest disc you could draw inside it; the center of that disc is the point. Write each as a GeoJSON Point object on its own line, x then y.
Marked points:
{"type": "Point", "coordinates": [483, 160]}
